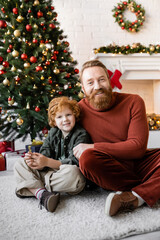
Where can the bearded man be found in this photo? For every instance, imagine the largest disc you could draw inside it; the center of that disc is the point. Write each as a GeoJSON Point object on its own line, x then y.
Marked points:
{"type": "Point", "coordinates": [118, 159]}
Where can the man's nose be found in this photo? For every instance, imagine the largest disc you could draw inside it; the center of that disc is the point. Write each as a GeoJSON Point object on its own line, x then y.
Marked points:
{"type": "Point", "coordinates": [64, 118]}
{"type": "Point", "coordinates": [96, 85]}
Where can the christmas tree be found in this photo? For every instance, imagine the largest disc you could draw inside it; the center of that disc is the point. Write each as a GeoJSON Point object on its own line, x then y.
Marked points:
{"type": "Point", "coordinates": [35, 66]}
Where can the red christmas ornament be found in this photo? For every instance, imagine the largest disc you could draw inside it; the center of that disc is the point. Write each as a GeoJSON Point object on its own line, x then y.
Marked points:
{"type": "Point", "coordinates": [8, 50]}
{"type": "Point", "coordinates": [33, 59]}
{"type": "Point", "coordinates": [44, 130]}
{"type": "Point", "coordinates": [15, 10]}
{"type": "Point", "coordinates": [39, 14]}
{"type": "Point", "coordinates": [5, 64]}
{"type": "Point", "coordinates": [24, 56]}
{"type": "Point", "coordinates": [122, 28]}
{"type": "Point", "coordinates": [3, 24]}
{"type": "Point", "coordinates": [54, 57]}
{"type": "Point", "coordinates": [56, 52]}
{"type": "Point", "coordinates": [76, 70]}
{"type": "Point", "coordinates": [1, 58]}
{"type": "Point", "coordinates": [2, 9]}
{"type": "Point", "coordinates": [66, 43]}
{"type": "Point", "coordinates": [39, 68]}
{"type": "Point", "coordinates": [29, 11]}
{"type": "Point", "coordinates": [28, 27]}
{"type": "Point", "coordinates": [67, 75]}
{"type": "Point", "coordinates": [2, 72]}
{"type": "Point", "coordinates": [51, 25]}
{"type": "Point", "coordinates": [60, 93]}
{"type": "Point", "coordinates": [35, 40]}
{"type": "Point", "coordinates": [10, 46]}
{"type": "Point", "coordinates": [42, 41]}
{"type": "Point", "coordinates": [65, 51]}
{"type": "Point", "coordinates": [37, 109]}
{"type": "Point", "coordinates": [42, 24]}
{"type": "Point", "coordinates": [52, 8]}
{"type": "Point", "coordinates": [50, 81]}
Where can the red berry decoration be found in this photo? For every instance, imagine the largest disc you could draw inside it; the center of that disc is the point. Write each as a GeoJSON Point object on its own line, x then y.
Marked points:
{"type": "Point", "coordinates": [24, 56]}
{"type": "Point", "coordinates": [66, 43]}
{"type": "Point", "coordinates": [5, 64]}
{"type": "Point", "coordinates": [51, 25]}
{"type": "Point", "coordinates": [76, 70]}
{"type": "Point", "coordinates": [8, 50]}
{"type": "Point", "coordinates": [3, 24]}
{"type": "Point", "coordinates": [39, 14]}
{"type": "Point", "coordinates": [48, 63]}
{"type": "Point", "coordinates": [60, 93]}
{"type": "Point", "coordinates": [15, 10]}
{"type": "Point", "coordinates": [37, 109]}
{"type": "Point", "coordinates": [28, 27]}
{"type": "Point", "coordinates": [10, 46]}
{"type": "Point", "coordinates": [39, 68]}
{"type": "Point", "coordinates": [33, 59]}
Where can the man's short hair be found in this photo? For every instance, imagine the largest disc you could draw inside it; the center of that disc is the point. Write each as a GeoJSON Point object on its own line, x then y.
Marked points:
{"type": "Point", "coordinates": [57, 105]}
{"type": "Point", "coordinates": [93, 63]}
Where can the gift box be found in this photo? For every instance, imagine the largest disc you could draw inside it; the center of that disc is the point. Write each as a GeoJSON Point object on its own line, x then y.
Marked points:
{"type": "Point", "coordinates": [2, 163]}
{"type": "Point", "coordinates": [12, 157]}
{"type": "Point", "coordinates": [34, 147]}
{"type": "Point", "coordinates": [6, 146]}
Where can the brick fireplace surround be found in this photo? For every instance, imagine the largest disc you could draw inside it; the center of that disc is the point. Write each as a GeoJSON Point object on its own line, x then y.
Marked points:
{"type": "Point", "coordinates": [140, 75]}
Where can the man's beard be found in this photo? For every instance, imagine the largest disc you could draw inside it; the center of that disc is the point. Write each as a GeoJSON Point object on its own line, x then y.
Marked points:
{"type": "Point", "coordinates": [101, 102]}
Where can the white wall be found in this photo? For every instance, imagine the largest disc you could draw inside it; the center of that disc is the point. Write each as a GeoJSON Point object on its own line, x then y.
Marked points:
{"type": "Point", "coordinates": [89, 24]}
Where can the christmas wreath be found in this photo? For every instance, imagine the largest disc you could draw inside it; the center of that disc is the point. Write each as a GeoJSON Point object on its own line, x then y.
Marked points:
{"type": "Point", "coordinates": [134, 8]}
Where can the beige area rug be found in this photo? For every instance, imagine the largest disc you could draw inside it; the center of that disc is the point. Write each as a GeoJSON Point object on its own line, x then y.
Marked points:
{"type": "Point", "coordinates": [78, 217]}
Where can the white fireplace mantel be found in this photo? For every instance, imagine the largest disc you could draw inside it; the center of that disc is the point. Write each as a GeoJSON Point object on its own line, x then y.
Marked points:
{"type": "Point", "coordinates": [137, 66]}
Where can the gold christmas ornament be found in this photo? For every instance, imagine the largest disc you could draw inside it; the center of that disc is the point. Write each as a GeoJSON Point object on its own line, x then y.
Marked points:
{"type": "Point", "coordinates": [35, 26]}
{"type": "Point", "coordinates": [20, 19]}
{"type": "Point", "coordinates": [19, 121]}
{"type": "Point", "coordinates": [8, 33]}
{"type": "Point", "coordinates": [17, 33]}
{"type": "Point", "coordinates": [34, 86]}
{"type": "Point", "coordinates": [134, 45]}
{"type": "Point", "coordinates": [36, 2]}
{"type": "Point", "coordinates": [9, 119]}
{"type": "Point", "coordinates": [15, 53]}
{"type": "Point", "coordinates": [26, 65]}
{"type": "Point", "coordinates": [81, 94]}
{"type": "Point", "coordinates": [152, 48]}
{"type": "Point", "coordinates": [44, 53]}
{"type": "Point", "coordinates": [42, 77]}
{"type": "Point", "coordinates": [6, 82]}
{"type": "Point", "coordinates": [13, 69]}
{"type": "Point", "coordinates": [58, 43]}
{"type": "Point", "coordinates": [42, 45]}
{"type": "Point", "coordinates": [56, 71]}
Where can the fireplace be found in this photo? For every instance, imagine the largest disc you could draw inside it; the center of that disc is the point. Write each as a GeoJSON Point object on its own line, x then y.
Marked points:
{"type": "Point", "coordinates": [140, 75]}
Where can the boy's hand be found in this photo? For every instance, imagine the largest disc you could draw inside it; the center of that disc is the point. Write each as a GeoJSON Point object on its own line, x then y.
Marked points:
{"type": "Point", "coordinates": [35, 160]}
{"type": "Point", "coordinates": [80, 148]}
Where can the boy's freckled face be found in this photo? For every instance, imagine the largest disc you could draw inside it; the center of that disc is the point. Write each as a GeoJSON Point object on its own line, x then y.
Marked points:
{"type": "Point", "coordinates": [65, 120]}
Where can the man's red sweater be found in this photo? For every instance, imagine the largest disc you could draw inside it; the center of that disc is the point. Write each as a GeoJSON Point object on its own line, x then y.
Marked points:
{"type": "Point", "coordinates": [122, 130]}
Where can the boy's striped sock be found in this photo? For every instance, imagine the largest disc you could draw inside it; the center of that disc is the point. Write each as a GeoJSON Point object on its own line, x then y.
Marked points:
{"type": "Point", "coordinates": [39, 192]}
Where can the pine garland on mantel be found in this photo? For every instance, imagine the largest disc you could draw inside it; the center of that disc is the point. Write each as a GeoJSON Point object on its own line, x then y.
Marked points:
{"type": "Point", "coordinates": [128, 49]}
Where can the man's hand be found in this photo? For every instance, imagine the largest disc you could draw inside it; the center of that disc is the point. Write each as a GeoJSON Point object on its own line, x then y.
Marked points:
{"type": "Point", "coordinates": [80, 148]}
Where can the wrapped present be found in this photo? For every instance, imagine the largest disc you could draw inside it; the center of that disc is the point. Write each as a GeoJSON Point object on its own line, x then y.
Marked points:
{"type": "Point", "coordinates": [11, 158]}
{"type": "Point", "coordinates": [2, 163]}
{"type": "Point", "coordinates": [6, 146]}
{"type": "Point", "coordinates": [34, 147]}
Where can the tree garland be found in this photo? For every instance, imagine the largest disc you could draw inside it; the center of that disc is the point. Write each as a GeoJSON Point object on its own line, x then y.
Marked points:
{"type": "Point", "coordinates": [134, 8]}
{"type": "Point", "coordinates": [128, 49]}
